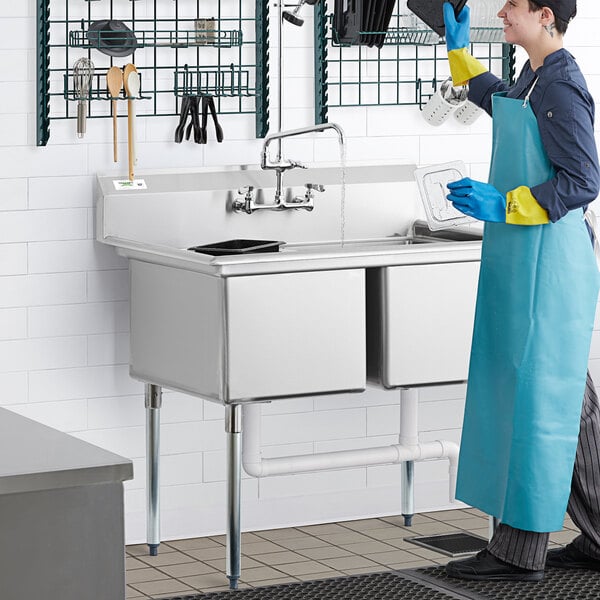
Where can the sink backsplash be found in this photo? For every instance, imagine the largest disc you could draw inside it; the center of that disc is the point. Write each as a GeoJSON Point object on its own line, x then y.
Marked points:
{"type": "Point", "coordinates": [185, 209]}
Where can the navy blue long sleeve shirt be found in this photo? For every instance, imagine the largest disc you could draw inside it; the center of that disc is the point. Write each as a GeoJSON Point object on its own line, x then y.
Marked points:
{"type": "Point", "coordinates": [564, 110]}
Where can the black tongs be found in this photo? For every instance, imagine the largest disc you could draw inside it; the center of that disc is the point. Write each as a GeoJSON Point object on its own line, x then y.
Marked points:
{"type": "Point", "coordinates": [190, 107]}
{"type": "Point", "coordinates": [208, 103]}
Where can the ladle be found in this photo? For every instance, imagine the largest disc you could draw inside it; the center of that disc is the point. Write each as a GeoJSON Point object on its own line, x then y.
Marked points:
{"type": "Point", "coordinates": [132, 87]}
{"type": "Point", "coordinates": [114, 81]}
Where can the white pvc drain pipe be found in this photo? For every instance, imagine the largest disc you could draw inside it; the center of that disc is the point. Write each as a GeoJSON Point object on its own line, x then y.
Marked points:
{"type": "Point", "coordinates": [409, 449]}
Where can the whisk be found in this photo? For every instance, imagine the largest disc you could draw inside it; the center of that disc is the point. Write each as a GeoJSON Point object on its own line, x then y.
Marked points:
{"type": "Point", "coordinates": [83, 74]}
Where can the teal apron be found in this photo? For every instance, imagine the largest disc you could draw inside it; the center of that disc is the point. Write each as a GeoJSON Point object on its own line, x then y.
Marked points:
{"type": "Point", "coordinates": [536, 302]}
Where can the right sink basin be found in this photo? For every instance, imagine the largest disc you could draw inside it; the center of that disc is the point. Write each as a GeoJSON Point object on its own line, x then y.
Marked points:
{"type": "Point", "coordinates": [420, 318]}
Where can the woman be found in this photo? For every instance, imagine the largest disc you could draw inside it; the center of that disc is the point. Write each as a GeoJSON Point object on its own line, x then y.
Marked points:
{"type": "Point", "coordinates": [523, 458]}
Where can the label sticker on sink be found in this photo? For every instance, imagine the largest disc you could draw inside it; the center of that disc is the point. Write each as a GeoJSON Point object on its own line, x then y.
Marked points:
{"type": "Point", "coordinates": [125, 184]}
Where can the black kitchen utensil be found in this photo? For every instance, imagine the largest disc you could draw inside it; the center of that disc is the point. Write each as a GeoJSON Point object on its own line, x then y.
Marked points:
{"type": "Point", "coordinates": [195, 122]}
{"type": "Point", "coordinates": [431, 12]}
{"type": "Point", "coordinates": [208, 103]}
{"type": "Point", "coordinates": [183, 115]}
{"type": "Point", "coordinates": [238, 247]}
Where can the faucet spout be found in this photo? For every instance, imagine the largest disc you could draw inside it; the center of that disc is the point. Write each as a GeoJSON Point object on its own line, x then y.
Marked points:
{"type": "Point", "coordinates": [283, 165]}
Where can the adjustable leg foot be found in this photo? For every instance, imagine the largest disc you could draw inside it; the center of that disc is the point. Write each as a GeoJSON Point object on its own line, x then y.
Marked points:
{"type": "Point", "coordinates": [233, 582]}
{"type": "Point", "coordinates": [153, 549]}
{"type": "Point", "coordinates": [407, 520]}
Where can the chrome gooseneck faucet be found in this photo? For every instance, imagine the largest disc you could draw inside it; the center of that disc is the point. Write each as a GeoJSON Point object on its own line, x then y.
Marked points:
{"type": "Point", "coordinates": [247, 203]}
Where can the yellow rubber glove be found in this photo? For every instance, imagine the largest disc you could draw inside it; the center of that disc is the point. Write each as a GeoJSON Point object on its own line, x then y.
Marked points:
{"type": "Point", "coordinates": [463, 66]}
{"type": "Point", "coordinates": [523, 209]}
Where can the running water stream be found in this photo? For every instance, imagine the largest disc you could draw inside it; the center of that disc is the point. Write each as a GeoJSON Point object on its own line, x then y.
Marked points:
{"type": "Point", "coordinates": [343, 193]}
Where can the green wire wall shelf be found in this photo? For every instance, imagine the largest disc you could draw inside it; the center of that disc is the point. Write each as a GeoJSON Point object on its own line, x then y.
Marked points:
{"type": "Point", "coordinates": [408, 68]}
{"type": "Point", "coordinates": [182, 47]}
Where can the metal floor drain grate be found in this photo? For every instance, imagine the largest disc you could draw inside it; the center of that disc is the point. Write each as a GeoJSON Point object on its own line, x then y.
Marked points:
{"type": "Point", "coordinates": [451, 544]}
{"type": "Point", "coordinates": [558, 584]}
{"type": "Point", "coordinates": [374, 586]}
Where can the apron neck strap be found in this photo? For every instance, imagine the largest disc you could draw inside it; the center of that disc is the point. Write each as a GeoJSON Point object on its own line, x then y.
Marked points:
{"type": "Point", "coordinates": [526, 100]}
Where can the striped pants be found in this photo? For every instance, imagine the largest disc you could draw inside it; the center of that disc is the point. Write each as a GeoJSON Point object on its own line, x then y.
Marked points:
{"type": "Point", "coordinates": [527, 549]}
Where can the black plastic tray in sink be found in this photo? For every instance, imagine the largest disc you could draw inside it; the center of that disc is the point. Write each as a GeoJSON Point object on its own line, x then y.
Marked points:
{"type": "Point", "coordinates": [238, 247]}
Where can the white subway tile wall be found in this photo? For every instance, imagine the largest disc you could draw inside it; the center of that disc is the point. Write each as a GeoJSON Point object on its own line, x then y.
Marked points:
{"type": "Point", "coordinates": [64, 300]}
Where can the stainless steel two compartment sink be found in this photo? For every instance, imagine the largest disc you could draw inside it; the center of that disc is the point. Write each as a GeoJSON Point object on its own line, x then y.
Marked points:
{"type": "Point", "coordinates": [317, 317]}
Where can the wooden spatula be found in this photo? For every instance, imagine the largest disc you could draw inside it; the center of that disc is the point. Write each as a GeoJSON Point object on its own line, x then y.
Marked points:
{"type": "Point", "coordinates": [131, 80]}
{"type": "Point", "coordinates": [114, 82]}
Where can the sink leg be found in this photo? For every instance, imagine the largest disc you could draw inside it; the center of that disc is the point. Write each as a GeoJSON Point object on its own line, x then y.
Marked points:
{"type": "Point", "coordinates": [409, 436]}
{"type": "Point", "coordinates": [153, 402]}
{"type": "Point", "coordinates": [233, 429]}
{"type": "Point", "coordinates": [408, 491]}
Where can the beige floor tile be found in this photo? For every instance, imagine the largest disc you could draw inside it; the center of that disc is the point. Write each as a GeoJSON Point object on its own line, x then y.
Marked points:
{"type": "Point", "coordinates": [304, 568]}
{"type": "Point", "coordinates": [365, 524]}
{"type": "Point", "coordinates": [471, 523]}
{"type": "Point", "coordinates": [188, 569]}
{"type": "Point", "coordinates": [417, 564]}
{"type": "Point", "coordinates": [450, 515]}
{"type": "Point", "coordinates": [348, 562]}
{"type": "Point", "coordinates": [220, 564]}
{"type": "Point", "coordinates": [164, 586]}
{"type": "Point", "coordinates": [137, 549]}
{"type": "Point", "coordinates": [262, 547]}
{"type": "Point", "coordinates": [423, 552]}
{"type": "Point", "coordinates": [370, 547]}
{"type": "Point", "coordinates": [324, 552]}
{"type": "Point", "coordinates": [270, 582]}
{"type": "Point", "coordinates": [281, 534]}
{"type": "Point", "coordinates": [166, 558]}
{"type": "Point", "coordinates": [250, 538]}
{"type": "Point", "coordinates": [432, 528]}
{"type": "Point", "coordinates": [401, 543]}
{"type": "Point", "coordinates": [326, 528]}
{"type": "Point", "coordinates": [220, 539]}
{"type": "Point", "coordinates": [391, 558]}
{"type": "Point", "coordinates": [131, 594]}
{"type": "Point", "coordinates": [302, 543]}
{"type": "Point", "coordinates": [208, 581]}
{"type": "Point", "coordinates": [132, 563]}
{"type": "Point", "coordinates": [144, 575]}
{"type": "Point", "coordinates": [280, 558]}
{"type": "Point", "coordinates": [349, 537]}
{"type": "Point", "coordinates": [316, 576]}
{"type": "Point", "coordinates": [475, 511]}
{"type": "Point", "coordinates": [193, 544]}
{"type": "Point", "coordinates": [205, 554]}
{"type": "Point", "coordinates": [563, 537]}
{"type": "Point", "coordinates": [260, 573]}
{"type": "Point", "coordinates": [387, 533]}
{"type": "Point", "coordinates": [416, 520]}
{"type": "Point", "coordinates": [365, 570]}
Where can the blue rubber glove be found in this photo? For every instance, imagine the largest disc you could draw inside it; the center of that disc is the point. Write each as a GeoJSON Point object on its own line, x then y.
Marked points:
{"type": "Point", "coordinates": [457, 29]}
{"type": "Point", "coordinates": [477, 199]}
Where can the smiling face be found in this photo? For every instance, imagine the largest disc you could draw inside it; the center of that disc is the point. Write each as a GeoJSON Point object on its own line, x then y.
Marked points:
{"type": "Point", "coordinates": [523, 26]}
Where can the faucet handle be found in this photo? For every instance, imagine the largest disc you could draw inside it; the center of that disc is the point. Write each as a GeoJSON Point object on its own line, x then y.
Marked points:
{"type": "Point", "coordinates": [293, 164]}
{"type": "Point", "coordinates": [314, 186]}
{"type": "Point", "coordinates": [246, 190]}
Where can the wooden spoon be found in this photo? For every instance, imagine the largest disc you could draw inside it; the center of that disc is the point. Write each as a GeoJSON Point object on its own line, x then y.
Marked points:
{"type": "Point", "coordinates": [114, 82]}
{"type": "Point", "coordinates": [132, 87]}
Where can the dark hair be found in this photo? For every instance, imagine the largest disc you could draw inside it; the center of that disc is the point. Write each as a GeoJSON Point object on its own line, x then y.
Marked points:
{"type": "Point", "coordinates": [561, 26]}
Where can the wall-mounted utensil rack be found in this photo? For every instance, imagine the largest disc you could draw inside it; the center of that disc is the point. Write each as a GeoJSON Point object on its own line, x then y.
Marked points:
{"type": "Point", "coordinates": [406, 70]}
{"type": "Point", "coordinates": [216, 47]}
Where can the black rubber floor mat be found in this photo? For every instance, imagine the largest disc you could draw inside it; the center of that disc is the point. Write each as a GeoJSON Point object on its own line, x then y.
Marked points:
{"type": "Point", "coordinates": [373, 586]}
{"type": "Point", "coordinates": [451, 544]}
{"type": "Point", "coordinates": [558, 584]}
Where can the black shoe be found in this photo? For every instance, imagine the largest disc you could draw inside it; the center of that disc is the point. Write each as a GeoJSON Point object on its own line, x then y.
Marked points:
{"type": "Point", "coordinates": [486, 567]}
{"type": "Point", "coordinates": [571, 558]}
